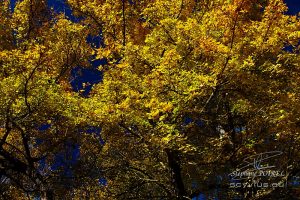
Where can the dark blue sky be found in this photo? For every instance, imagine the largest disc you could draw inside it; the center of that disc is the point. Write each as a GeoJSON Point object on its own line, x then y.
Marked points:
{"type": "Point", "coordinates": [294, 6]}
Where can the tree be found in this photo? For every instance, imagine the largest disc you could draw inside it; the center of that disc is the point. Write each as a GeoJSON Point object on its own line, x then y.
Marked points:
{"type": "Point", "coordinates": [39, 112]}
{"type": "Point", "coordinates": [190, 89]}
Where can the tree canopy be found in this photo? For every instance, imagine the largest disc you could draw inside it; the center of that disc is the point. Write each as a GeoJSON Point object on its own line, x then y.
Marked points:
{"type": "Point", "coordinates": [190, 89]}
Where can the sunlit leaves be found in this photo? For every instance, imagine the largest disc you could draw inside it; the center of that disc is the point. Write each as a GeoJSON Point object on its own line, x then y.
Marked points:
{"type": "Point", "coordinates": [186, 84]}
{"type": "Point", "coordinates": [225, 61]}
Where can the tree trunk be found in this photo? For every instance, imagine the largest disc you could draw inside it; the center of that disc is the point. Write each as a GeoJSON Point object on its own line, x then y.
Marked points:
{"type": "Point", "coordinates": [174, 165]}
{"type": "Point", "coordinates": [47, 195]}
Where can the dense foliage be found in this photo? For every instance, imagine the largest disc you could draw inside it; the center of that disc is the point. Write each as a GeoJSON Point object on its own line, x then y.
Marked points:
{"type": "Point", "coordinates": [190, 88]}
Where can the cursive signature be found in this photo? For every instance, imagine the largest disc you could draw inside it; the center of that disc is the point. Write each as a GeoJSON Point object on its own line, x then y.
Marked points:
{"type": "Point", "coordinates": [255, 164]}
